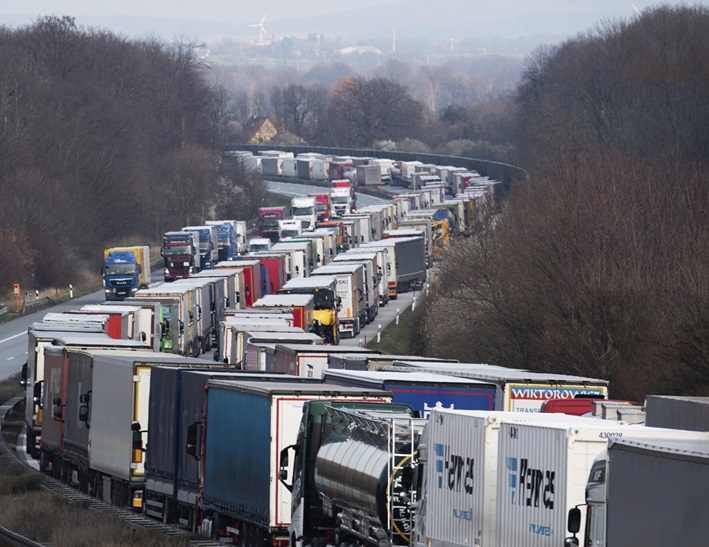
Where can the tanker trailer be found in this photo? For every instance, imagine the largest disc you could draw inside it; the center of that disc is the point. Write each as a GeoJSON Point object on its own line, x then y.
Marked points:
{"type": "Point", "coordinates": [356, 481]}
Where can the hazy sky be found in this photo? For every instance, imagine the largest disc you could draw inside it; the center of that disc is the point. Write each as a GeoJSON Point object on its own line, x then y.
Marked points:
{"type": "Point", "coordinates": [421, 18]}
{"type": "Point", "coordinates": [238, 11]}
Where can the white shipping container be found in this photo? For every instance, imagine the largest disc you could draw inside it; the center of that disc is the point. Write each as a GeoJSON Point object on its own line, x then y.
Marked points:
{"type": "Point", "coordinates": [543, 473]}
{"type": "Point", "coordinates": [462, 474]}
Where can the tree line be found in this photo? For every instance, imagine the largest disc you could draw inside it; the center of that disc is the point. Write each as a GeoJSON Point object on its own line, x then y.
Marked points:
{"type": "Point", "coordinates": [103, 141]}
{"type": "Point", "coordinates": [600, 263]}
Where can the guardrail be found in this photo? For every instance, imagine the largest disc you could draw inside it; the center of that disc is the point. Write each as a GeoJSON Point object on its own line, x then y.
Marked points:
{"type": "Point", "coordinates": [3, 309]}
{"type": "Point", "coordinates": [503, 172]}
{"type": "Point", "coordinates": [31, 305]}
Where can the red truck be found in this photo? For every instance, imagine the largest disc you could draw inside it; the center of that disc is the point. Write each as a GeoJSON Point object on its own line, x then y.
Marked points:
{"type": "Point", "coordinates": [322, 206]}
{"type": "Point", "coordinates": [268, 218]}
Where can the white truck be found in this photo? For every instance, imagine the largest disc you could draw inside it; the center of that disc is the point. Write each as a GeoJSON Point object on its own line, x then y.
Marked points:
{"type": "Point", "coordinates": [305, 210]}
{"type": "Point", "coordinates": [290, 228]}
{"type": "Point", "coordinates": [544, 470]}
{"type": "Point", "coordinates": [646, 492]}
{"type": "Point", "coordinates": [341, 199]}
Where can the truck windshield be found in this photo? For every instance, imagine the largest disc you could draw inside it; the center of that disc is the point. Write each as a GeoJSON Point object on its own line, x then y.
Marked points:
{"type": "Point", "coordinates": [290, 233]}
{"type": "Point", "coordinates": [120, 269]}
{"type": "Point", "coordinates": [302, 211]}
{"type": "Point", "coordinates": [175, 250]}
{"type": "Point", "coordinates": [268, 225]}
{"type": "Point", "coordinates": [204, 246]}
{"type": "Point", "coordinates": [322, 206]}
{"type": "Point", "coordinates": [255, 247]}
{"type": "Point", "coordinates": [340, 199]}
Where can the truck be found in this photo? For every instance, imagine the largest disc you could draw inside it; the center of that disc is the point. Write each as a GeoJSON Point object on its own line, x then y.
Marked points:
{"type": "Point", "coordinates": [543, 469]}
{"type": "Point", "coordinates": [369, 175]}
{"type": "Point", "coordinates": [252, 284]}
{"type": "Point", "coordinates": [180, 251]}
{"type": "Point", "coordinates": [125, 270]}
{"type": "Point", "coordinates": [422, 391]}
{"type": "Point", "coordinates": [347, 183]}
{"type": "Point", "coordinates": [303, 209]}
{"type": "Point", "coordinates": [309, 361]}
{"type": "Point", "coordinates": [323, 206]}
{"type": "Point", "coordinates": [408, 261]}
{"type": "Point", "coordinates": [268, 218]}
{"type": "Point", "coordinates": [41, 335]}
{"type": "Point", "coordinates": [382, 259]}
{"type": "Point", "coordinates": [326, 304]}
{"type": "Point", "coordinates": [350, 474]}
{"type": "Point", "coordinates": [241, 497]}
{"type": "Point", "coordinates": [177, 398]}
{"type": "Point", "coordinates": [625, 508]}
{"type": "Point", "coordinates": [350, 290]}
{"type": "Point", "coordinates": [99, 401]}
{"type": "Point", "coordinates": [231, 237]}
{"type": "Point", "coordinates": [518, 390]}
{"type": "Point", "coordinates": [371, 278]}
{"type": "Point", "coordinates": [208, 245]}
{"type": "Point", "coordinates": [182, 315]}
{"type": "Point", "coordinates": [289, 228]}
{"type": "Point", "coordinates": [210, 299]}
{"type": "Point", "coordinates": [302, 257]}
{"type": "Point", "coordinates": [341, 200]}
{"type": "Point", "coordinates": [302, 306]}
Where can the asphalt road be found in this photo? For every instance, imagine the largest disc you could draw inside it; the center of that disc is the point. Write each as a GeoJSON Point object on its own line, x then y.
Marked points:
{"type": "Point", "coordinates": [13, 335]}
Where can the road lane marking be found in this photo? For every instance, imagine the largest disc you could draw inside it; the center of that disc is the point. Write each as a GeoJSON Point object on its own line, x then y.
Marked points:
{"type": "Point", "coordinates": [11, 337]}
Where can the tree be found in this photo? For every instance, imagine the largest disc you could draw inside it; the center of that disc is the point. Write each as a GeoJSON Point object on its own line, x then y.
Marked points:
{"type": "Point", "coordinates": [362, 111]}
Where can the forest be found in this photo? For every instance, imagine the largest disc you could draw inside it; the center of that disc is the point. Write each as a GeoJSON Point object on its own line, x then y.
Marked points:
{"type": "Point", "coordinates": [599, 264]}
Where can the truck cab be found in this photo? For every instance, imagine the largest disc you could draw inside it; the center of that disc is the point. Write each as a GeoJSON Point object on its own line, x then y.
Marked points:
{"type": "Point", "coordinates": [121, 272]}
{"type": "Point", "coordinates": [180, 251]}
{"type": "Point", "coordinates": [268, 222]}
{"type": "Point", "coordinates": [323, 206]}
{"type": "Point", "coordinates": [290, 228]}
{"type": "Point", "coordinates": [303, 209]}
{"type": "Point", "coordinates": [259, 244]}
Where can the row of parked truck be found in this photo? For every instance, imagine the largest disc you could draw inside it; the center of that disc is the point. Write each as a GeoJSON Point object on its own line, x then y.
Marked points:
{"type": "Point", "coordinates": [312, 442]}
{"type": "Point", "coordinates": [362, 171]}
{"type": "Point", "coordinates": [289, 439]}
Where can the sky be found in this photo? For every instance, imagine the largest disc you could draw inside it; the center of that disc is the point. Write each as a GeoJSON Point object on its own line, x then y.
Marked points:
{"type": "Point", "coordinates": [504, 18]}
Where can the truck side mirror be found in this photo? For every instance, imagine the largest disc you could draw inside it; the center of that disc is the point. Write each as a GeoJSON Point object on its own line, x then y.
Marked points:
{"type": "Point", "coordinates": [84, 399]}
{"type": "Point", "coordinates": [139, 268]}
{"type": "Point", "coordinates": [573, 524]}
{"type": "Point", "coordinates": [37, 394]}
{"type": "Point", "coordinates": [84, 413]}
{"type": "Point", "coordinates": [283, 467]}
{"type": "Point", "coordinates": [58, 410]}
{"type": "Point", "coordinates": [194, 438]}
{"type": "Point", "coordinates": [23, 377]}
{"type": "Point", "coordinates": [137, 437]}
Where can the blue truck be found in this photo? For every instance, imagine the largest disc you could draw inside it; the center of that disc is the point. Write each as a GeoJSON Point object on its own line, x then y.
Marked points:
{"type": "Point", "coordinates": [231, 238]}
{"type": "Point", "coordinates": [422, 391]}
{"type": "Point", "coordinates": [208, 245]}
{"type": "Point", "coordinates": [125, 270]}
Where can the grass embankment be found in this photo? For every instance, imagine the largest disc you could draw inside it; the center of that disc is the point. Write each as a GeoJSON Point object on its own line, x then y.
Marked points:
{"type": "Point", "coordinates": [401, 339]}
{"type": "Point", "coordinates": [29, 510]}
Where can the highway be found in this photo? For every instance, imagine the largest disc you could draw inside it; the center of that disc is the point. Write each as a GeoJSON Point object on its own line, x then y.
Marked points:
{"type": "Point", "coordinates": [13, 335]}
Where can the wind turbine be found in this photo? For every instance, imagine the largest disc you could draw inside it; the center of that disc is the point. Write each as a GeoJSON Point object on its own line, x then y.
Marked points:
{"type": "Point", "coordinates": [261, 29]}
